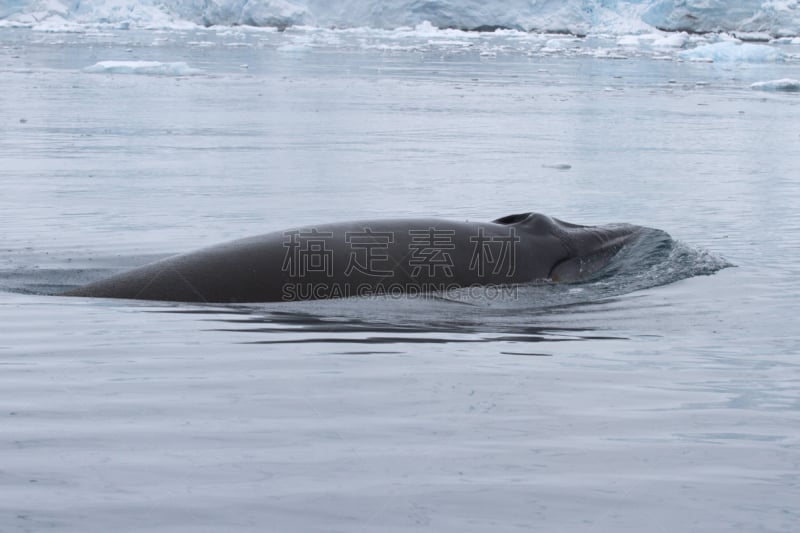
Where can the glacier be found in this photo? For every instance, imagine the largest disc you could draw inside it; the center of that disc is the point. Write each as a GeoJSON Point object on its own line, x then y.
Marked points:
{"type": "Point", "coordinates": [760, 18]}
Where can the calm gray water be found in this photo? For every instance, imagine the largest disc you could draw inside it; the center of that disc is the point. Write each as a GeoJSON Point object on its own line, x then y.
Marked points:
{"type": "Point", "coordinates": [674, 407]}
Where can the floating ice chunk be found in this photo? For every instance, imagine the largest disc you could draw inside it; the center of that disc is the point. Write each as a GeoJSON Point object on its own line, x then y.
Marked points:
{"type": "Point", "coordinates": [450, 43]}
{"type": "Point", "coordinates": [562, 43]}
{"type": "Point", "coordinates": [753, 36]}
{"type": "Point", "coordinates": [607, 53]}
{"type": "Point", "coordinates": [672, 40]}
{"type": "Point", "coordinates": [426, 28]}
{"type": "Point", "coordinates": [152, 68]}
{"type": "Point", "coordinates": [655, 40]}
{"type": "Point", "coordinates": [628, 40]}
{"type": "Point", "coordinates": [733, 52]}
{"type": "Point", "coordinates": [786, 84]}
{"type": "Point", "coordinates": [293, 48]}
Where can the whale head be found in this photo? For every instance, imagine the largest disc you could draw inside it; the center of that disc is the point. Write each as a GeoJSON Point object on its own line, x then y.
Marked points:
{"type": "Point", "coordinates": [581, 252]}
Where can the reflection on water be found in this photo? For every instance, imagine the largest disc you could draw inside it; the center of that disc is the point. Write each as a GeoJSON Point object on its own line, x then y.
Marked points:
{"type": "Point", "coordinates": [284, 327]}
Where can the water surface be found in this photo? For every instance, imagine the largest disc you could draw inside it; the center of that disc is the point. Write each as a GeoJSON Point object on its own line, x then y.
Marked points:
{"type": "Point", "coordinates": [661, 405]}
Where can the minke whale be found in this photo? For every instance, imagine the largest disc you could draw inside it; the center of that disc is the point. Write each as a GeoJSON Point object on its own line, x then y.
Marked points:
{"type": "Point", "coordinates": [374, 257]}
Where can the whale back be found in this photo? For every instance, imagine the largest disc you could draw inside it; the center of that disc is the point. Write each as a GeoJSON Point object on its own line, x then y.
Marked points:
{"type": "Point", "coordinates": [370, 257]}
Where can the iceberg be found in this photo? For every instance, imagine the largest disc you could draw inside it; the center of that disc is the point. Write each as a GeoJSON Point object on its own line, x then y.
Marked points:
{"type": "Point", "coordinates": [729, 51]}
{"type": "Point", "coordinates": [784, 85]}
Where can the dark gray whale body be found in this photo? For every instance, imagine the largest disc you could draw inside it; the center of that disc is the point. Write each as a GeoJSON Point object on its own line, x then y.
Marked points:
{"type": "Point", "coordinates": [374, 257]}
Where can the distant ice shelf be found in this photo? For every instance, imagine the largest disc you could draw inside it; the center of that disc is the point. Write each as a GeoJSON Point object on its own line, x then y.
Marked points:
{"type": "Point", "coordinates": [757, 19]}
